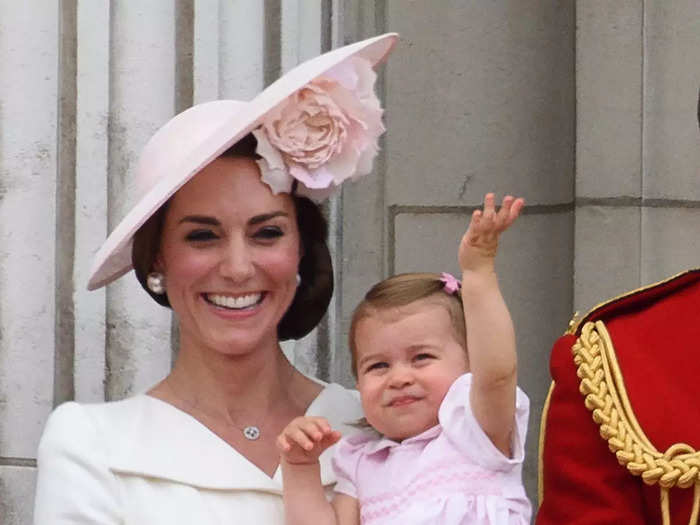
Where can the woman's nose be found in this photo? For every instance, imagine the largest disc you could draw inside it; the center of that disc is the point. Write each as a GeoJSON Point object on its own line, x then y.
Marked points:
{"type": "Point", "coordinates": [237, 262]}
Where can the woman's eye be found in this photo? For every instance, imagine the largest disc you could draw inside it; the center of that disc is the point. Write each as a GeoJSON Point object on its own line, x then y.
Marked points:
{"type": "Point", "coordinates": [269, 232]}
{"type": "Point", "coordinates": [200, 235]}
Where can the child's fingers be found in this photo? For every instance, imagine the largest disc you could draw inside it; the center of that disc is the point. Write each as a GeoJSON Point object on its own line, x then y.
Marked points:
{"type": "Point", "coordinates": [475, 224]}
{"type": "Point", "coordinates": [299, 437]}
{"type": "Point", "coordinates": [307, 431]}
{"type": "Point", "coordinates": [323, 425]}
{"type": "Point", "coordinates": [506, 205]}
{"type": "Point", "coordinates": [514, 209]}
{"type": "Point", "coordinates": [517, 207]}
{"type": "Point", "coordinates": [489, 202]}
{"type": "Point", "coordinates": [282, 444]}
{"type": "Point", "coordinates": [329, 439]}
{"type": "Point", "coordinates": [509, 211]}
{"type": "Point", "coordinates": [503, 214]}
{"type": "Point", "coordinates": [316, 427]}
{"type": "Point", "coordinates": [489, 213]}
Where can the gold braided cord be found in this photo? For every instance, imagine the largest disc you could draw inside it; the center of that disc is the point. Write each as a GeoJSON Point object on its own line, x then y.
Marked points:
{"type": "Point", "coordinates": [603, 387]}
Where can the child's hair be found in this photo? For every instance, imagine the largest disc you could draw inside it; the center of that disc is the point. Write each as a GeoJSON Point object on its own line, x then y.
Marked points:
{"type": "Point", "coordinates": [404, 289]}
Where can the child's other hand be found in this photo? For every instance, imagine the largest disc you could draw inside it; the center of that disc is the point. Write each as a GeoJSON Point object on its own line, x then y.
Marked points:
{"type": "Point", "coordinates": [304, 440]}
{"type": "Point", "coordinates": [479, 244]}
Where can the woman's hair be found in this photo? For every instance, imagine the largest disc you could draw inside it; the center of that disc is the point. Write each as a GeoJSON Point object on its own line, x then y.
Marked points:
{"type": "Point", "coordinates": [402, 290]}
{"type": "Point", "coordinates": [315, 267]}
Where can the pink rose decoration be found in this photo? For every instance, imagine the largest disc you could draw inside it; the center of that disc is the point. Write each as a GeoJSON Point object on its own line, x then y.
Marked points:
{"type": "Point", "coordinates": [323, 134]}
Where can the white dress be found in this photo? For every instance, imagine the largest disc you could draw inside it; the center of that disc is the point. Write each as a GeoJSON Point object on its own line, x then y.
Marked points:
{"type": "Point", "coordinates": [143, 461]}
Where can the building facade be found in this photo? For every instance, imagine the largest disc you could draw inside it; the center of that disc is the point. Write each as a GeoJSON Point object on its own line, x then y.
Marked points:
{"type": "Point", "coordinates": [587, 109]}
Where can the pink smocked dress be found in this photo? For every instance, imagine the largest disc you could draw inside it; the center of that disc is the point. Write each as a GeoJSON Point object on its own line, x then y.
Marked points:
{"type": "Point", "coordinates": [451, 474]}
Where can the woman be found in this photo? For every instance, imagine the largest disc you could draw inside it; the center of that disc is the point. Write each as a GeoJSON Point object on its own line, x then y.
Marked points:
{"type": "Point", "coordinates": [225, 234]}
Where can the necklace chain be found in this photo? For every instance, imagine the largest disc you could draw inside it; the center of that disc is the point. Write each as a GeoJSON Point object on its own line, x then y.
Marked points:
{"type": "Point", "coordinates": [250, 432]}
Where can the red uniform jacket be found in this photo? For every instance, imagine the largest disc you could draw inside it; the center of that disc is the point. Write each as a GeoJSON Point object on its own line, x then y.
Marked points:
{"type": "Point", "coordinates": [654, 336]}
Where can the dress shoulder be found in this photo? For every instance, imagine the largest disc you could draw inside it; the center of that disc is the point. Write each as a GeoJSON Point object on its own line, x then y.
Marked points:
{"type": "Point", "coordinates": [73, 480]}
{"type": "Point", "coordinates": [464, 432]}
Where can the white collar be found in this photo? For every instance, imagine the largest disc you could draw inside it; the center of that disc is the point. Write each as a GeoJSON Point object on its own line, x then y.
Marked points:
{"type": "Point", "coordinates": [149, 437]}
{"type": "Point", "coordinates": [376, 443]}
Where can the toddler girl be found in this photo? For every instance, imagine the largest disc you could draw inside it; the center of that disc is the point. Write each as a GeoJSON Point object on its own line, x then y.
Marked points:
{"type": "Point", "coordinates": [436, 370]}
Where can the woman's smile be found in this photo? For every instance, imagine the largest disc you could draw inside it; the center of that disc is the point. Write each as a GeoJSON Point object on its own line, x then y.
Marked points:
{"type": "Point", "coordinates": [233, 302]}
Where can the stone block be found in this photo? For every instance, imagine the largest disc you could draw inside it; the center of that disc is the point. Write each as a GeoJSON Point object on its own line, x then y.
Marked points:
{"type": "Point", "coordinates": [608, 98]}
{"type": "Point", "coordinates": [17, 485]}
{"type": "Point", "coordinates": [607, 257]}
{"type": "Point", "coordinates": [670, 239]}
{"type": "Point", "coordinates": [481, 104]}
{"type": "Point", "coordinates": [671, 137]}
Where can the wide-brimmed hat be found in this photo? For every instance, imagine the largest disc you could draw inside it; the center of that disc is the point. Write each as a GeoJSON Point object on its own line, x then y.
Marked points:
{"type": "Point", "coordinates": [336, 81]}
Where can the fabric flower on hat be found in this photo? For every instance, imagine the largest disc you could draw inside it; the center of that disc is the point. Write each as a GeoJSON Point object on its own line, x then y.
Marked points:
{"type": "Point", "coordinates": [323, 134]}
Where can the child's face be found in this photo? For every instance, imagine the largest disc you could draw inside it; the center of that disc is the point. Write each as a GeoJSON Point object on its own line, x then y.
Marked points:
{"type": "Point", "coordinates": [407, 358]}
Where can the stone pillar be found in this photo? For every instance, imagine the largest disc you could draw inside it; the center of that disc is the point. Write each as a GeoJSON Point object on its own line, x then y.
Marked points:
{"type": "Point", "coordinates": [29, 135]}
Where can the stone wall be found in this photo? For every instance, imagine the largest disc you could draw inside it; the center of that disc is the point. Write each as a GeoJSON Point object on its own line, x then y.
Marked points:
{"type": "Point", "coordinates": [585, 108]}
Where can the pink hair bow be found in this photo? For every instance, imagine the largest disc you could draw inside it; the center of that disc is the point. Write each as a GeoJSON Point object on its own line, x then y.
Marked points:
{"type": "Point", "coordinates": [451, 284]}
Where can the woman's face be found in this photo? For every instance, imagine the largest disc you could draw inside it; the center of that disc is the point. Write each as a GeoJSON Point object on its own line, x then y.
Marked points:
{"type": "Point", "coordinates": [229, 251]}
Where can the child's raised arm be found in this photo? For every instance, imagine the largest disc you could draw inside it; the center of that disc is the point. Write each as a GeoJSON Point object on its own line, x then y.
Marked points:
{"type": "Point", "coordinates": [490, 333]}
{"type": "Point", "coordinates": [300, 444]}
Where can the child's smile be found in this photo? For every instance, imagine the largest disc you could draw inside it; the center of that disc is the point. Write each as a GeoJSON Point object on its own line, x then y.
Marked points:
{"type": "Point", "coordinates": [407, 358]}
{"type": "Point", "coordinates": [400, 401]}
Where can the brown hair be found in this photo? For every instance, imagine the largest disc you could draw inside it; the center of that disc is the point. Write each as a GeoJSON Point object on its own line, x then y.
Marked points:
{"type": "Point", "coordinates": [402, 290]}
{"type": "Point", "coordinates": [315, 267]}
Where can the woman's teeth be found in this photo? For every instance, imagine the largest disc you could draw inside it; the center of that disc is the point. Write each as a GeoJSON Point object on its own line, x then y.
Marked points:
{"type": "Point", "coordinates": [227, 301]}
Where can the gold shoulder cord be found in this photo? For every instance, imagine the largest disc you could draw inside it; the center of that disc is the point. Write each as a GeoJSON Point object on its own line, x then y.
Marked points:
{"type": "Point", "coordinates": [605, 396]}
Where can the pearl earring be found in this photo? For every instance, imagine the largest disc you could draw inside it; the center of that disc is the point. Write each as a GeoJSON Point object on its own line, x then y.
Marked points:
{"type": "Point", "coordinates": [298, 279]}
{"type": "Point", "coordinates": [156, 283]}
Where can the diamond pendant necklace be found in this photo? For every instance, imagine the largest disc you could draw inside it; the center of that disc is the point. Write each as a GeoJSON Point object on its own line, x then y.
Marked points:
{"type": "Point", "coordinates": [250, 432]}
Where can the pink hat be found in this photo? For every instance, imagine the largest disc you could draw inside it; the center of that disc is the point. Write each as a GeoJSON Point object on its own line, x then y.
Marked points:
{"type": "Point", "coordinates": [333, 92]}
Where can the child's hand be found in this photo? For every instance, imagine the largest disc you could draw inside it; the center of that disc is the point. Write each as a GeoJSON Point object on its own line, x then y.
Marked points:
{"type": "Point", "coordinates": [304, 440]}
{"type": "Point", "coordinates": [479, 244]}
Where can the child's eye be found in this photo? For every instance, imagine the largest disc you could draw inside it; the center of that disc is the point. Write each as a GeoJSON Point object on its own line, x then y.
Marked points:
{"type": "Point", "coordinates": [423, 357]}
{"type": "Point", "coordinates": [200, 235]}
{"type": "Point", "coordinates": [269, 232]}
{"type": "Point", "coordinates": [377, 366]}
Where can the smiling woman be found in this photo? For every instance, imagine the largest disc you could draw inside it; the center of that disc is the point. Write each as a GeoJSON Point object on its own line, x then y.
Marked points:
{"type": "Point", "coordinates": [227, 234]}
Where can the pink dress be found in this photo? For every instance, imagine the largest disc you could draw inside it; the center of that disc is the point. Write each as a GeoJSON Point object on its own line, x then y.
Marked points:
{"type": "Point", "coordinates": [451, 474]}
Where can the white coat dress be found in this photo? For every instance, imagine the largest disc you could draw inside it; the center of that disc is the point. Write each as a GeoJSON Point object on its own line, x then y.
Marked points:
{"type": "Point", "coordinates": [143, 461]}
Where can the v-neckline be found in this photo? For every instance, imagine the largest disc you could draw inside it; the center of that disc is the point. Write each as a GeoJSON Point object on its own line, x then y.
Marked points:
{"type": "Point", "coordinates": [276, 476]}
